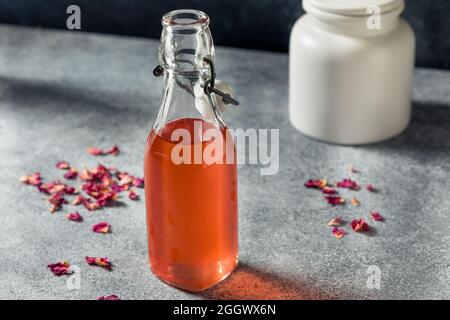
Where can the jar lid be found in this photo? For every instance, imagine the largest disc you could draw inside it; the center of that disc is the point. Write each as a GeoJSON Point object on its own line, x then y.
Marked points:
{"type": "Point", "coordinates": [351, 7]}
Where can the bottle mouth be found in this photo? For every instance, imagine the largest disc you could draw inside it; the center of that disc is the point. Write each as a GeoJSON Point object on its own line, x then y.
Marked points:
{"type": "Point", "coordinates": [185, 18]}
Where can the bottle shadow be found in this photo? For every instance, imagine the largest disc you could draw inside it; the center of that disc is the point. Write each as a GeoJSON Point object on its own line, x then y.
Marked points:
{"type": "Point", "coordinates": [251, 283]}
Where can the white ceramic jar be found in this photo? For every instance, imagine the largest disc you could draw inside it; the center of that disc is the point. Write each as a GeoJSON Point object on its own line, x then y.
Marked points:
{"type": "Point", "coordinates": [351, 65]}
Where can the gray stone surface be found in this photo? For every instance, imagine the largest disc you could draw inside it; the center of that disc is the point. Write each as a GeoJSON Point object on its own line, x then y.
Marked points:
{"type": "Point", "coordinates": [61, 92]}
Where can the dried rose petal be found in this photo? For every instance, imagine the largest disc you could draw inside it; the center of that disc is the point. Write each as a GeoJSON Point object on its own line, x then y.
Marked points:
{"type": "Point", "coordinates": [371, 188]}
{"type": "Point", "coordinates": [133, 195]}
{"type": "Point", "coordinates": [126, 179]}
{"type": "Point", "coordinates": [94, 189]}
{"type": "Point", "coordinates": [107, 198]}
{"type": "Point", "coordinates": [99, 152]}
{"type": "Point", "coordinates": [91, 206]}
{"type": "Point", "coordinates": [101, 227]}
{"type": "Point", "coordinates": [75, 216]}
{"type": "Point", "coordinates": [316, 184]}
{"type": "Point", "coordinates": [348, 184]}
{"type": "Point", "coordinates": [110, 297]}
{"type": "Point", "coordinates": [376, 216]}
{"type": "Point", "coordinates": [328, 190]}
{"type": "Point", "coordinates": [85, 175]}
{"type": "Point", "coordinates": [335, 222]}
{"type": "Point", "coordinates": [60, 268]}
{"type": "Point", "coordinates": [114, 151]}
{"type": "Point", "coordinates": [63, 165]}
{"type": "Point", "coordinates": [57, 200]}
{"type": "Point", "coordinates": [33, 179]}
{"type": "Point", "coordinates": [335, 200]}
{"type": "Point", "coordinates": [359, 225]}
{"type": "Point", "coordinates": [107, 181]}
{"type": "Point", "coordinates": [78, 200]}
{"type": "Point", "coordinates": [116, 188]}
{"type": "Point", "coordinates": [100, 262]}
{"type": "Point", "coordinates": [70, 190]}
{"type": "Point", "coordinates": [355, 202]}
{"type": "Point", "coordinates": [94, 151]}
{"type": "Point", "coordinates": [99, 172]}
{"type": "Point", "coordinates": [71, 174]}
{"type": "Point", "coordinates": [339, 233]}
{"type": "Point", "coordinates": [57, 188]}
{"type": "Point", "coordinates": [46, 187]}
{"type": "Point", "coordinates": [138, 182]}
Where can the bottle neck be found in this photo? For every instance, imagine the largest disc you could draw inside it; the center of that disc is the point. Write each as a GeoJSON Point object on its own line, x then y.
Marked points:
{"type": "Point", "coordinates": [185, 42]}
{"type": "Point", "coordinates": [184, 98]}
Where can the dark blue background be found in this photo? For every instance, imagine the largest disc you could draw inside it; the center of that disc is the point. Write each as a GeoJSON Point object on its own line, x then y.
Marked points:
{"type": "Point", "coordinates": [256, 24]}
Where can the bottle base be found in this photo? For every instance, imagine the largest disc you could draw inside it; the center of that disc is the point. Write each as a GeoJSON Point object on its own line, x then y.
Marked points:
{"type": "Point", "coordinates": [194, 280]}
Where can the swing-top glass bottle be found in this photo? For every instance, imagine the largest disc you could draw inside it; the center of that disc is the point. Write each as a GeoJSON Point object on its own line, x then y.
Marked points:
{"type": "Point", "coordinates": [191, 201]}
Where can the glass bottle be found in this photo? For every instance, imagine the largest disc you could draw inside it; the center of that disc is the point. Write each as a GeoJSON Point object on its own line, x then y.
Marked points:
{"type": "Point", "coordinates": [190, 164]}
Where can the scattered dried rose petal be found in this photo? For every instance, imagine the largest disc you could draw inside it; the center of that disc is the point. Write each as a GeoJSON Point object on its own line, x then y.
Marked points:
{"type": "Point", "coordinates": [328, 190]}
{"type": "Point", "coordinates": [75, 216]}
{"type": "Point", "coordinates": [70, 190]}
{"type": "Point", "coordinates": [101, 227]}
{"type": "Point", "coordinates": [339, 233]}
{"type": "Point", "coordinates": [63, 165]}
{"type": "Point", "coordinates": [85, 175]}
{"type": "Point", "coordinates": [116, 188]}
{"type": "Point", "coordinates": [316, 184]}
{"type": "Point", "coordinates": [33, 179]}
{"type": "Point", "coordinates": [347, 184]}
{"type": "Point", "coordinates": [335, 200]}
{"type": "Point", "coordinates": [99, 152]}
{"type": "Point", "coordinates": [46, 187]}
{"type": "Point", "coordinates": [60, 268]}
{"type": "Point", "coordinates": [99, 171]}
{"type": "Point", "coordinates": [371, 188]}
{"type": "Point", "coordinates": [138, 182]}
{"type": "Point", "coordinates": [355, 202]}
{"type": "Point", "coordinates": [100, 262]}
{"type": "Point", "coordinates": [78, 200]}
{"type": "Point", "coordinates": [94, 151]}
{"type": "Point", "coordinates": [107, 181]}
{"type": "Point", "coordinates": [106, 198]}
{"type": "Point", "coordinates": [376, 216]}
{"type": "Point", "coordinates": [335, 222]}
{"type": "Point", "coordinates": [133, 195]}
{"type": "Point", "coordinates": [110, 297]}
{"type": "Point", "coordinates": [352, 169]}
{"type": "Point", "coordinates": [125, 179]}
{"type": "Point", "coordinates": [55, 187]}
{"type": "Point", "coordinates": [91, 206]}
{"type": "Point", "coordinates": [359, 225]}
{"type": "Point", "coordinates": [113, 151]}
{"type": "Point", "coordinates": [57, 200]}
{"type": "Point", "coordinates": [71, 174]}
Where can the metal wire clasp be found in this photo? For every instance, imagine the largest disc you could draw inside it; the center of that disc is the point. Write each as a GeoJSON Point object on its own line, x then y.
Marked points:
{"type": "Point", "coordinates": [209, 85]}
